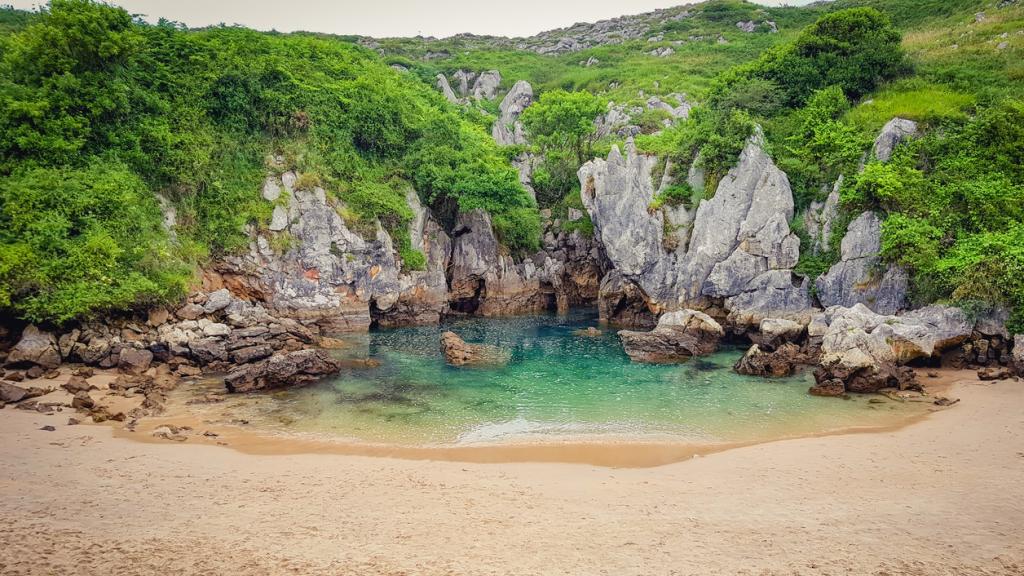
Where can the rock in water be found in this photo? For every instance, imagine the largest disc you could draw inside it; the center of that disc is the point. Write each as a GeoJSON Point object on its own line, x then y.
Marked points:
{"type": "Point", "coordinates": [678, 336]}
{"type": "Point", "coordinates": [36, 347]}
{"type": "Point", "coordinates": [283, 370]}
{"type": "Point", "coordinates": [458, 353]}
{"type": "Point", "coordinates": [783, 361]}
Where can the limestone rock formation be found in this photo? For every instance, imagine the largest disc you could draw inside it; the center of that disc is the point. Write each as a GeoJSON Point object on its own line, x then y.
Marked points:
{"type": "Point", "coordinates": [283, 370]}
{"type": "Point", "coordinates": [507, 129]}
{"type": "Point", "coordinates": [856, 278]}
{"type": "Point", "coordinates": [820, 218]}
{"type": "Point", "coordinates": [486, 85]}
{"type": "Point", "coordinates": [866, 351]}
{"type": "Point", "coordinates": [896, 131]}
{"type": "Point", "coordinates": [678, 336]}
{"type": "Point", "coordinates": [446, 89]}
{"type": "Point", "coordinates": [458, 353]}
{"type": "Point", "coordinates": [736, 246]}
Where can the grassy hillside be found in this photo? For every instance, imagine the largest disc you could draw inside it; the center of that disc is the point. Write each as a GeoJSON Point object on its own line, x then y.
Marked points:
{"type": "Point", "coordinates": [99, 115]}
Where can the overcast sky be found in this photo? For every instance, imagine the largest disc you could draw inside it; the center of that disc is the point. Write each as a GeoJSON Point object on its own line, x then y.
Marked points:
{"type": "Point", "coordinates": [393, 17]}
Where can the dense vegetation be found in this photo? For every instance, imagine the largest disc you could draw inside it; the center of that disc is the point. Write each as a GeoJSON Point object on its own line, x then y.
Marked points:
{"type": "Point", "coordinates": [99, 114]}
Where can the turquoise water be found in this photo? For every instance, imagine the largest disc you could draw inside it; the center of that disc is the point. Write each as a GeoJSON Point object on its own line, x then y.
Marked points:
{"type": "Point", "coordinates": [556, 386]}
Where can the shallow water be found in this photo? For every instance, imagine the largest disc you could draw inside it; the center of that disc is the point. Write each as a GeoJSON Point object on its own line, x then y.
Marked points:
{"type": "Point", "coordinates": [557, 386]}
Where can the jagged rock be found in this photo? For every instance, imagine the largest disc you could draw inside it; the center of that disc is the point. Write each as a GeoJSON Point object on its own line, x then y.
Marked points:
{"type": "Point", "coordinates": [622, 303]}
{"type": "Point", "coordinates": [35, 347]}
{"type": "Point", "coordinates": [459, 353]}
{"type": "Point", "coordinates": [250, 354]}
{"type": "Point", "coordinates": [780, 362]}
{"type": "Point", "coordinates": [486, 85]}
{"type": "Point", "coordinates": [828, 388]}
{"type": "Point", "coordinates": [281, 370]}
{"type": "Point", "coordinates": [134, 361]}
{"type": "Point", "coordinates": [748, 26]}
{"type": "Point", "coordinates": [820, 217]}
{"type": "Point", "coordinates": [589, 332]}
{"type": "Point", "coordinates": [681, 112]}
{"type": "Point", "coordinates": [855, 278]}
{"type": "Point", "coordinates": [736, 246]}
{"type": "Point", "coordinates": [678, 336]}
{"type": "Point", "coordinates": [507, 130]}
{"type": "Point", "coordinates": [446, 89]}
{"type": "Point", "coordinates": [866, 350]}
{"type": "Point", "coordinates": [896, 131]}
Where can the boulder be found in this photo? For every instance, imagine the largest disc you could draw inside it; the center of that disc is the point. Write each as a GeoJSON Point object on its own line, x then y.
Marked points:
{"type": "Point", "coordinates": [282, 370]}
{"type": "Point", "coordinates": [190, 312]}
{"type": "Point", "coordinates": [446, 88]}
{"type": "Point", "coordinates": [459, 353]}
{"type": "Point", "coordinates": [134, 361]}
{"type": "Point", "coordinates": [35, 347]}
{"type": "Point", "coordinates": [208, 350]}
{"type": "Point", "coordinates": [486, 85]}
{"type": "Point", "coordinates": [995, 373]}
{"type": "Point", "coordinates": [678, 336]}
{"type": "Point", "coordinates": [76, 384]}
{"type": "Point", "coordinates": [250, 354]}
{"type": "Point", "coordinates": [9, 393]}
{"type": "Point", "coordinates": [777, 363]}
{"type": "Point", "coordinates": [866, 351]}
{"type": "Point", "coordinates": [895, 132]}
{"type": "Point", "coordinates": [856, 278]}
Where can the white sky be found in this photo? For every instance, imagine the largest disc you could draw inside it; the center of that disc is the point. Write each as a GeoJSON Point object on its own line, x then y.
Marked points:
{"type": "Point", "coordinates": [393, 17]}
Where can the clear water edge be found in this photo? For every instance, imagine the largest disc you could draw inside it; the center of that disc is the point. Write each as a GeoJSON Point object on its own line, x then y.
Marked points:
{"type": "Point", "coordinates": [557, 388]}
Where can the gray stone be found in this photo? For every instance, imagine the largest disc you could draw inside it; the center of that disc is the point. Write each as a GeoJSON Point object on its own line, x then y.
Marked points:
{"type": "Point", "coordinates": [35, 347]}
{"type": "Point", "coordinates": [1018, 353]}
{"type": "Point", "coordinates": [278, 219]}
{"type": "Point", "coordinates": [856, 278]}
{"type": "Point", "coordinates": [284, 370]}
{"type": "Point", "coordinates": [217, 301]}
{"type": "Point", "coordinates": [895, 132]}
{"type": "Point", "coordinates": [271, 189]}
{"type": "Point", "coordinates": [216, 329]}
{"type": "Point", "coordinates": [446, 89]}
{"type": "Point", "coordinates": [486, 85]}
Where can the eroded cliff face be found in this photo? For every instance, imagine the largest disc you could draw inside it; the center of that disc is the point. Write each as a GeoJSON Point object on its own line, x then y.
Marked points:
{"type": "Point", "coordinates": [735, 249]}
{"type": "Point", "coordinates": [312, 266]}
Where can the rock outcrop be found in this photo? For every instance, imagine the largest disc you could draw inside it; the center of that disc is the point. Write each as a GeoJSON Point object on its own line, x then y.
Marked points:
{"type": "Point", "coordinates": [866, 352]}
{"type": "Point", "coordinates": [458, 353]}
{"type": "Point", "coordinates": [679, 336]}
{"type": "Point", "coordinates": [856, 278]}
{"type": "Point", "coordinates": [507, 129]}
{"type": "Point", "coordinates": [895, 132]}
{"type": "Point", "coordinates": [285, 370]}
{"type": "Point", "coordinates": [736, 246]}
{"type": "Point", "coordinates": [820, 217]}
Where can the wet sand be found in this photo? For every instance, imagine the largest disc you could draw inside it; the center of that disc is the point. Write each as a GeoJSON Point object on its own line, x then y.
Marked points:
{"type": "Point", "coordinates": [940, 496]}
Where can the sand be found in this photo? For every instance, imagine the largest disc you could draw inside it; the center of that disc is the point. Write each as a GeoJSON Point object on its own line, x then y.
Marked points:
{"type": "Point", "coordinates": [944, 495]}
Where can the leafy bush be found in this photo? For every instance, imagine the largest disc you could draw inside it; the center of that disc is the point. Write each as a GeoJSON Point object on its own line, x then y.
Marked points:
{"type": "Point", "coordinates": [75, 243]}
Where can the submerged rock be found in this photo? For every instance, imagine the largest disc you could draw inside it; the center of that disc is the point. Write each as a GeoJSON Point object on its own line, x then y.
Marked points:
{"type": "Point", "coordinates": [282, 370]}
{"type": "Point", "coordinates": [678, 336]}
{"type": "Point", "coordinates": [459, 353]}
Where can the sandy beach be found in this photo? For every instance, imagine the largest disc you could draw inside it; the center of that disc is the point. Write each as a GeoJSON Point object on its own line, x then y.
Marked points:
{"type": "Point", "coordinates": [940, 496]}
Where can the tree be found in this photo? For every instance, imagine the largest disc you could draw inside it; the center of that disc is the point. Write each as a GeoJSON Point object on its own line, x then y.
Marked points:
{"type": "Point", "coordinates": [562, 120]}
